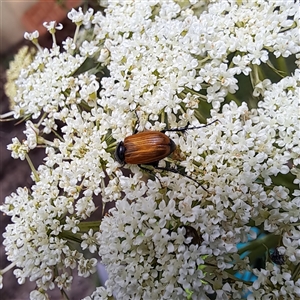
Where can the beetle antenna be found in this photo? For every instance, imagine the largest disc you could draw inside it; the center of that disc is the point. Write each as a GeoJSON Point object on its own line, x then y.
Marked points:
{"type": "Point", "coordinates": [173, 170]}
{"type": "Point", "coordinates": [137, 123]}
{"type": "Point", "coordinates": [183, 129]}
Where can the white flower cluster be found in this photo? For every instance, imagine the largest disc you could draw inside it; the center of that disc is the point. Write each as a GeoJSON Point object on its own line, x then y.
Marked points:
{"type": "Point", "coordinates": [241, 155]}
{"type": "Point", "coordinates": [37, 241]}
{"type": "Point", "coordinates": [165, 64]}
{"type": "Point", "coordinates": [48, 85]}
{"type": "Point", "coordinates": [153, 65]}
{"type": "Point", "coordinates": [143, 255]}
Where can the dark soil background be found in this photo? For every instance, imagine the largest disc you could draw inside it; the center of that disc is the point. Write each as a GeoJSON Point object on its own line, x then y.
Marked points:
{"type": "Point", "coordinates": [15, 173]}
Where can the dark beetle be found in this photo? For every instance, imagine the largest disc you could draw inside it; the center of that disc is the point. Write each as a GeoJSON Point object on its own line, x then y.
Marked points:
{"type": "Point", "coordinates": [149, 147]}
{"type": "Point", "coordinates": [144, 148]}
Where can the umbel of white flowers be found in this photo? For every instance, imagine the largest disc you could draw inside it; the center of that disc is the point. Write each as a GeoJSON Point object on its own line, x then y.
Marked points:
{"type": "Point", "coordinates": [154, 65]}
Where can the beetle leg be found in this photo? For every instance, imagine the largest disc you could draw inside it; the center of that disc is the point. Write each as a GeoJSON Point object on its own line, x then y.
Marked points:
{"type": "Point", "coordinates": [151, 172]}
{"type": "Point", "coordinates": [178, 172]}
{"type": "Point", "coordinates": [155, 165]}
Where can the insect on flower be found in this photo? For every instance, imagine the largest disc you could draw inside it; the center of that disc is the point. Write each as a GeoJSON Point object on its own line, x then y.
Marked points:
{"type": "Point", "coordinates": [276, 257]}
{"type": "Point", "coordinates": [144, 148]}
{"type": "Point", "coordinates": [149, 147]}
{"type": "Point", "coordinates": [191, 232]}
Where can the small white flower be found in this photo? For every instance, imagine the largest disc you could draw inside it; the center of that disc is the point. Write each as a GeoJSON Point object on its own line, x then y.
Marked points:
{"type": "Point", "coordinates": [64, 281]}
{"type": "Point", "coordinates": [78, 17]}
{"type": "Point", "coordinates": [72, 224]}
{"type": "Point", "coordinates": [69, 44]}
{"type": "Point", "coordinates": [101, 293]}
{"type": "Point", "coordinates": [52, 27]}
{"type": "Point", "coordinates": [37, 295]}
{"type": "Point", "coordinates": [86, 267]}
{"type": "Point", "coordinates": [88, 48]}
{"type": "Point", "coordinates": [104, 55]}
{"type": "Point", "coordinates": [242, 63]}
{"type": "Point", "coordinates": [261, 87]}
{"type": "Point", "coordinates": [104, 3]}
{"type": "Point", "coordinates": [32, 133]}
{"type": "Point", "coordinates": [19, 150]}
{"type": "Point", "coordinates": [90, 240]}
{"type": "Point", "coordinates": [31, 36]}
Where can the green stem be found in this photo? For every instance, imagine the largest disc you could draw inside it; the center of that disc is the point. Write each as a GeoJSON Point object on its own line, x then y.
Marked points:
{"type": "Point", "coordinates": [254, 77]}
{"type": "Point", "coordinates": [41, 120]}
{"type": "Point", "coordinates": [57, 135]}
{"type": "Point", "coordinates": [69, 235]}
{"type": "Point", "coordinates": [8, 114]}
{"type": "Point", "coordinates": [10, 266]}
{"type": "Point", "coordinates": [38, 46]}
{"type": "Point", "coordinates": [42, 141]}
{"type": "Point", "coordinates": [76, 33]}
{"type": "Point", "coordinates": [33, 169]}
{"type": "Point", "coordinates": [86, 226]}
{"type": "Point", "coordinates": [282, 66]}
{"type": "Point", "coordinates": [54, 39]}
{"type": "Point", "coordinates": [64, 295]}
{"type": "Point", "coordinates": [257, 248]}
{"type": "Point", "coordinates": [296, 272]}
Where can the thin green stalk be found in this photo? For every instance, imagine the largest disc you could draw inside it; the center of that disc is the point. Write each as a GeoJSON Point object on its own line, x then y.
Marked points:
{"type": "Point", "coordinates": [33, 169]}
{"type": "Point", "coordinates": [86, 226]}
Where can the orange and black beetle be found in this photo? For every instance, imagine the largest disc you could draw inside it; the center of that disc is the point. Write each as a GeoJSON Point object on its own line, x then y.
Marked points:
{"type": "Point", "coordinates": [148, 147]}
{"type": "Point", "coordinates": [144, 148]}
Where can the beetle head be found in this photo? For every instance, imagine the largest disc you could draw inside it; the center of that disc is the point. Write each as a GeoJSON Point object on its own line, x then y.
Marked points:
{"type": "Point", "coordinates": [120, 153]}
